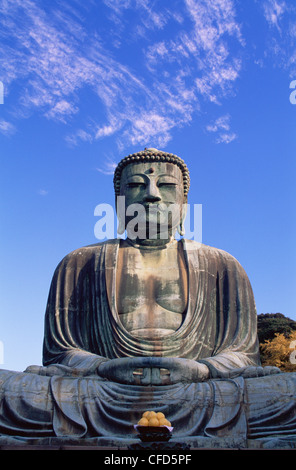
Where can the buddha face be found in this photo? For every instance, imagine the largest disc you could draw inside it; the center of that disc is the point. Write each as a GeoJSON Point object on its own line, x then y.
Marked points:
{"type": "Point", "coordinates": [154, 193]}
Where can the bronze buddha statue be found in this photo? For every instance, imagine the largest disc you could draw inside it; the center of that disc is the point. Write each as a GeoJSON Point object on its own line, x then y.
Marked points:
{"type": "Point", "coordinates": [149, 322]}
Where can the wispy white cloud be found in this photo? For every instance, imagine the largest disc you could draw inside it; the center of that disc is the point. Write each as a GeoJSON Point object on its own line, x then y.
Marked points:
{"type": "Point", "coordinates": [280, 42]}
{"type": "Point", "coordinates": [150, 18]}
{"type": "Point", "coordinates": [62, 110]}
{"type": "Point", "coordinates": [206, 46]}
{"type": "Point", "coordinates": [226, 138]}
{"type": "Point", "coordinates": [220, 123]}
{"type": "Point", "coordinates": [80, 135]}
{"type": "Point", "coordinates": [53, 69]}
{"type": "Point", "coordinates": [273, 11]}
{"type": "Point", "coordinates": [108, 168]}
{"type": "Point", "coordinates": [43, 192]}
{"type": "Point", "coordinates": [7, 128]}
{"type": "Point", "coordinates": [50, 52]}
{"type": "Point", "coordinates": [151, 127]}
{"type": "Point", "coordinates": [221, 127]}
{"type": "Point", "coordinates": [105, 131]}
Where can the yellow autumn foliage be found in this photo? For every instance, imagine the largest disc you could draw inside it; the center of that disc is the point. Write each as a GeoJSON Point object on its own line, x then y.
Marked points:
{"type": "Point", "coordinates": [280, 351]}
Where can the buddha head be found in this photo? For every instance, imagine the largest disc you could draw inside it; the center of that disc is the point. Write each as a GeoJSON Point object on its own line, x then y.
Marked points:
{"type": "Point", "coordinates": [154, 185]}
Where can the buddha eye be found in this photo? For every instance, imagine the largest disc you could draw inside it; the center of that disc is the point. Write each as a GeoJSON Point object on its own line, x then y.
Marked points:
{"type": "Point", "coordinates": [166, 184]}
{"type": "Point", "coordinates": [135, 184]}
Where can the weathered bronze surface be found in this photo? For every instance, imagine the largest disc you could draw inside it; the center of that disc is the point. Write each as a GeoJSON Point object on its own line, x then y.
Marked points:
{"type": "Point", "coordinates": [150, 323]}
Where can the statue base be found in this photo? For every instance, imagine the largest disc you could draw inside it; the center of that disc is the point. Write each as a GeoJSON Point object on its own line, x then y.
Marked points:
{"type": "Point", "coordinates": [181, 444]}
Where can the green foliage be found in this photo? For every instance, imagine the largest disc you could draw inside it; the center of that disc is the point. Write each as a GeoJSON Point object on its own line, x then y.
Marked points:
{"type": "Point", "coordinates": [271, 323]}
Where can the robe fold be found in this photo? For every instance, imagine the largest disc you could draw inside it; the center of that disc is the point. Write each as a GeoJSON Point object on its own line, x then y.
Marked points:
{"type": "Point", "coordinates": [66, 397]}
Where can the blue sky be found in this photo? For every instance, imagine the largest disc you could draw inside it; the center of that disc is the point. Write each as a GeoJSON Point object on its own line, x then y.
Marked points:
{"type": "Point", "coordinates": [87, 83]}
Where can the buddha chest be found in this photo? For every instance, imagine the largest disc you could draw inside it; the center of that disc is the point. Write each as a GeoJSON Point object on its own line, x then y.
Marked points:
{"type": "Point", "coordinates": [151, 290]}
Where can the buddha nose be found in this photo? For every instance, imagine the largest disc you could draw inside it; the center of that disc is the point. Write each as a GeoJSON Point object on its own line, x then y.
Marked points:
{"type": "Point", "coordinates": [152, 193]}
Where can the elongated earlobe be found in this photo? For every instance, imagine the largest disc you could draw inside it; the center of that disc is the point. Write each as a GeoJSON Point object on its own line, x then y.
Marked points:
{"type": "Point", "coordinates": [181, 229]}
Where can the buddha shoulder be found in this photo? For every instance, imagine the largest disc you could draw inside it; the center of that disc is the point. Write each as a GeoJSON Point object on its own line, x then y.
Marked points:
{"type": "Point", "coordinates": [81, 256]}
{"type": "Point", "coordinates": [210, 253]}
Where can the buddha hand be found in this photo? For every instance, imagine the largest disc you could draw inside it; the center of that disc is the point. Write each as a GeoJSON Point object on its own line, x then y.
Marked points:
{"type": "Point", "coordinates": [153, 370]}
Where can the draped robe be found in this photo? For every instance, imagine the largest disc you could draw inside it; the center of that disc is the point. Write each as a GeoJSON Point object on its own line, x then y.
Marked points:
{"type": "Point", "coordinates": [66, 397]}
{"type": "Point", "coordinates": [82, 318]}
